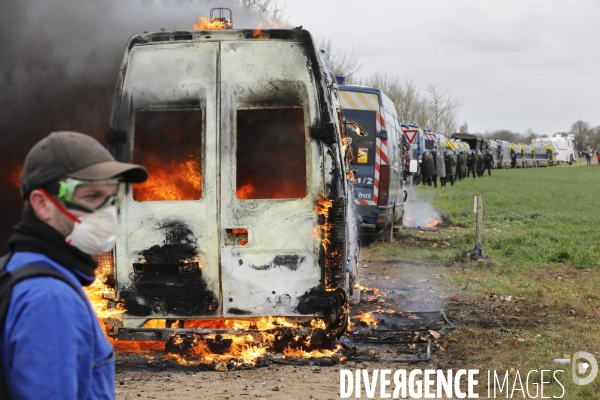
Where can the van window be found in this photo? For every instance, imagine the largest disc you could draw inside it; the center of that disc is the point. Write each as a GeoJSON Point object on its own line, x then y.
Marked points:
{"type": "Point", "coordinates": [169, 145]}
{"type": "Point", "coordinates": [363, 147]}
{"type": "Point", "coordinates": [271, 154]}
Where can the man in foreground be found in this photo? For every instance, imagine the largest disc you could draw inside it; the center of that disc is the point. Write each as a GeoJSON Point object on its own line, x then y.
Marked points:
{"type": "Point", "coordinates": [51, 344]}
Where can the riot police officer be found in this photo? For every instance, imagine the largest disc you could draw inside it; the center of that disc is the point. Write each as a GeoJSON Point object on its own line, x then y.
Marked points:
{"type": "Point", "coordinates": [471, 163]}
{"type": "Point", "coordinates": [427, 167]}
{"type": "Point", "coordinates": [450, 163]}
{"type": "Point", "coordinates": [488, 162]}
{"type": "Point", "coordinates": [513, 157]}
{"type": "Point", "coordinates": [440, 168]}
{"type": "Point", "coordinates": [480, 162]}
{"type": "Point", "coordinates": [460, 165]}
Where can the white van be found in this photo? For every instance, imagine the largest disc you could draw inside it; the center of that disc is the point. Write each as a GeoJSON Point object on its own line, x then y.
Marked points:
{"type": "Point", "coordinates": [245, 213]}
{"type": "Point", "coordinates": [563, 146]}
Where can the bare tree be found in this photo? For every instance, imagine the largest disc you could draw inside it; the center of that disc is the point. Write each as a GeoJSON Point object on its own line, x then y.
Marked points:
{"type": "Point", "coordinates": [582, 131]}
{"type": "Point", "coordinates": [409, 103]}
{"type": "Point", "coordinates": [504, 134]}
{"type": "Point", "coordinates": [387, 84]}
{"type": "Point", "coordinates": [464, 128]}
{"type": "Point", "coordinates": [436, 111]}
{"type": "Point", "coordinates": [528, 135]}
{"type": "Point", "coordinates": [595, 136]}
{"type": "Point", "coordinates": [411, 106]}
{"type": "Point", "coordinates": [341, 62]}
{"type": "Point", "coordinates": [442, 109]}
{"type": "Point", "coordinates": [266, 8]}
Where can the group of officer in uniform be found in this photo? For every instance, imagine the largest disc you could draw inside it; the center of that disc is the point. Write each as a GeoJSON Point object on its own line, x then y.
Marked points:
{"type": "Point", "coordinates": [453, 164]}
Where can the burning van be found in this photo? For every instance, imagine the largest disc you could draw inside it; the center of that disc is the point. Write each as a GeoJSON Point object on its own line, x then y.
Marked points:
{"type": "Point", "coordinates": [245, 212]}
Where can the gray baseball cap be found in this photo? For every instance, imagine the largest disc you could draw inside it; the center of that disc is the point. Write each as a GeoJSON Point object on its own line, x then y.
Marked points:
{"type": "Point", "coordinates": [73, 155]}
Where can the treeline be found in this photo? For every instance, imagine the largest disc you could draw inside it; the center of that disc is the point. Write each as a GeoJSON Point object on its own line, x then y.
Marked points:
{"type": "Point", "coordinates": [586, 136]}
{"type": "Point", "coordinates": [432, 109]}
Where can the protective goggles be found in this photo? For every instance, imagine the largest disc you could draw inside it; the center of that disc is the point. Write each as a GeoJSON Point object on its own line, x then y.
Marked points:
{"type": "Point", "coordinates": [85, 195]}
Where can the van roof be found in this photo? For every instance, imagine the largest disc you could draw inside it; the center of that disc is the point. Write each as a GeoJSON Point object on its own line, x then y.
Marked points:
{"type": "Point", "coordinates": [295, 34]}
{"type": "Point", "coordinates": [359, 88]}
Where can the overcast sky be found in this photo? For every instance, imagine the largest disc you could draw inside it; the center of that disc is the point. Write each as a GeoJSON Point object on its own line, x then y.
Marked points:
{"type": "Point", "coordinates": [515, 64]}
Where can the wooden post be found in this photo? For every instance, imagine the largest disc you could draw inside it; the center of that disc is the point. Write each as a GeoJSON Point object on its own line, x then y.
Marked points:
{"type": "Point", "coordinates": [479, 220]}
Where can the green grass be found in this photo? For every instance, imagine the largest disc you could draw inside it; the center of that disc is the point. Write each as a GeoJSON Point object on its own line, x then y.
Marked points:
{"type": "Point", "coordinates": [532, 218]}
{"type": "Point", "coordinates": [541, 229]}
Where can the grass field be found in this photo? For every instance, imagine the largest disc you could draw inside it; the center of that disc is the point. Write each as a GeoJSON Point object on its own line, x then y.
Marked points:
{"type": "Point", "coordinates": [536, 217]}
{"type": "Point", "coordinates": [542, 233]}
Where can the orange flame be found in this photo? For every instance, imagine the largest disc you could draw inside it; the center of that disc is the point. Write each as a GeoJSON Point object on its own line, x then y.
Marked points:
{"type": "Point", "coordinates": [323, 230]}
{"type": "Point", "coordinates": [205, 24]}
{"type": "Point", "coordinates": [245, 348]}
{"type": "Point", "coordinates": [245, 191]}
{"type": "Point", "coordinates": [257, 33]}
{"type": "Point", "coordinates": [434, 223]}
{"type": "Point", "coordinates": [98, 292]}
{"type": "Point", "coordinates": [367, 318]}
{"type": "Point", "coordinates": [170, 181]}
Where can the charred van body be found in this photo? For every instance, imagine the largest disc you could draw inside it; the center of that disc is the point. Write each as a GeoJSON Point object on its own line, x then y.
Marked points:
{"type": "Point", "coordinates": [242, 137]}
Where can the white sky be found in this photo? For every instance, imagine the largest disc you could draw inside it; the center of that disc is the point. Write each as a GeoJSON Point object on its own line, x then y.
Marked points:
{"type": "Point", "coordinates": [515, 64]}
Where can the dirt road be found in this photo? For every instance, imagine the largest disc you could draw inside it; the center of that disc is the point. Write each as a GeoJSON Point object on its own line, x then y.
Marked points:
{"type": "Point", "coordinates": [406, 286]}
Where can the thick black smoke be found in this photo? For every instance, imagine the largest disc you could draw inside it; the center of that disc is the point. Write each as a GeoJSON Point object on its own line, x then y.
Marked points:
{"type": "Point", "coordinates": [58, 66]}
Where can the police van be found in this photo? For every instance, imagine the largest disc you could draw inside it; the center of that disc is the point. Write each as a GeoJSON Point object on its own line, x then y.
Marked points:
{"type": "Point", "coordinates": [246, 210]}
{"type": "Point", "coordinates": [378, 157]}
{"type": "Point", "coordinates": [563, 147]}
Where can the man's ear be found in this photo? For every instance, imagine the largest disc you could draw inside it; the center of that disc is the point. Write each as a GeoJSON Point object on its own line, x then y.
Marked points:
{"type": "Point", "coordinates": [41, 206]}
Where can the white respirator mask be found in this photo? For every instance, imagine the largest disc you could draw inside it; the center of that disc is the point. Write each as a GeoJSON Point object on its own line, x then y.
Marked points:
{"type": "Point", "coordinates": [95, 233]}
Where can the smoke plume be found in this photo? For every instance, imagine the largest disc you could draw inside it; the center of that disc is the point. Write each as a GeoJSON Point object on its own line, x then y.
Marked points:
{"type": "Point", "coordinates": [417, 212]}
{"type": "Point", "coordinates": [58, 67]}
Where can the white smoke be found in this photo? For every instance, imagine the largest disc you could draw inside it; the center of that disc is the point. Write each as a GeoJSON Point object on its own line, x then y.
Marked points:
{"type": "Point", "coordinates": [418, 213]}
{"type": "Point", "coordinates": [353, 223]}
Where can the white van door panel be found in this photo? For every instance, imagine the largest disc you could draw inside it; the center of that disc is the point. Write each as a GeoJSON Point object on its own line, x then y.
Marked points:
{"type": "Point", "coordinates": [270, 178]}
{"type": "Point", "coordinates": [167, 253]}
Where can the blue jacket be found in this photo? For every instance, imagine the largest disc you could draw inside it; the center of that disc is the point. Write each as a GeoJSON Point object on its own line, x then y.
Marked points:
{"type": "Point", "coordinates": [52, 346]}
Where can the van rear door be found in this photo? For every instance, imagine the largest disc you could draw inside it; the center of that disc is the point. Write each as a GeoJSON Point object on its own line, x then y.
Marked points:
{"type": "Point", "coordinates": [167, 253]}
{"type": "Point", "coordinates": [269, 180]}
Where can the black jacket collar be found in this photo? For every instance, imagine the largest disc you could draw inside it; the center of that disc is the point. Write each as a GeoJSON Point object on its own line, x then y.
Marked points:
{"type": "Point", "coordinates": [34, 235]}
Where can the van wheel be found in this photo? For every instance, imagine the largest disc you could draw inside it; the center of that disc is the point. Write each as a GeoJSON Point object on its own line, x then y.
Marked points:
{"type": "Point", "coordinates": [339, 316]}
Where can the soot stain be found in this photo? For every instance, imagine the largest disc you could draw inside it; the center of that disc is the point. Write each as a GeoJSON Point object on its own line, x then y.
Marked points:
{"type": "Point", "coordinates": [175, 285]}
{"type": "Point", "coordinates": [304, 302]}
{"type": "Point", "coordinates": [291, 261]}
{"type": "Point", "coordinates": [237, 311]}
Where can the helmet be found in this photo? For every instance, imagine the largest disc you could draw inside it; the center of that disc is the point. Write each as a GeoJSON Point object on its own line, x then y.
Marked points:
{"type": "Point", "coordinates": [487, 151]}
